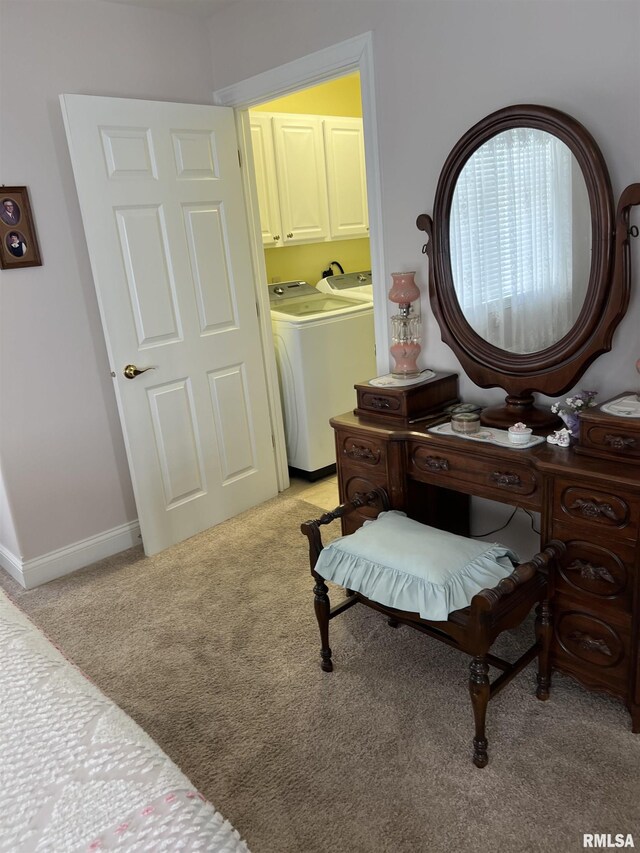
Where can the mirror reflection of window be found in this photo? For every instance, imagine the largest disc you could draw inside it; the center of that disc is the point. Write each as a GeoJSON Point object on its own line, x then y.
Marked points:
{"type": "Point", "coordinates": [513, 218]}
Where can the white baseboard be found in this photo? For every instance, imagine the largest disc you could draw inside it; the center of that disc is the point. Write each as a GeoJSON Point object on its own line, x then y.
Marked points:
{"type": "Point", "coordinates": [11, 564]}
{"type": "Point", "coordinates": [55, 564]}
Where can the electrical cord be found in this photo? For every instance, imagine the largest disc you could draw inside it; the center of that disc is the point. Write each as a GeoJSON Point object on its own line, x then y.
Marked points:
{"type": "Point", "coordinates": [506, 524]}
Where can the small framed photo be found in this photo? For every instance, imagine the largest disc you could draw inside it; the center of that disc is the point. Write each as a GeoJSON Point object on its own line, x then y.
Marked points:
{"type": "Point", "coordinates": [18, 243]}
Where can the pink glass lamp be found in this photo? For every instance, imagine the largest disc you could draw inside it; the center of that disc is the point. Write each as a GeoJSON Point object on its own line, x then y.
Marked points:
{"type": "Point", "coordinates": [406, 326]}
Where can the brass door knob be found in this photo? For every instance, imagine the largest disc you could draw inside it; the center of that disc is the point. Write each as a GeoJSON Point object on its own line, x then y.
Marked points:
{"type": "Point", "coordinates": [131, 371]}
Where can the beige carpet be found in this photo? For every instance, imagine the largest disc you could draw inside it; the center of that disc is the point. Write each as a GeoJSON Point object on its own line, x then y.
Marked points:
{"type": "Point", "coordinates": [212, 647]}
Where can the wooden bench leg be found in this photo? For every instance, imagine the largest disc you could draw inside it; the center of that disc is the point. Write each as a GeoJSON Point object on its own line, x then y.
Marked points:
{"type": "Point", "coordinates": [543, 636]}
{"type": "Point", "coordinates": [479, 689]}
{"type": "Point", "coordinates": [322, 607]}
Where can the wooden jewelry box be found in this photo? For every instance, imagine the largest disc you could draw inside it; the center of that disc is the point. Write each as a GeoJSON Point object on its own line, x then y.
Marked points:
{"type": "Point", "coordinates": [405, 404]}
{"type": "Point", "coordinates": [613, 434]}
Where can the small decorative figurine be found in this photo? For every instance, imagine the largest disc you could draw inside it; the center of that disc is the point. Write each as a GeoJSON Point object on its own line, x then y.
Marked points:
{"type": "Point", "coordinates": [561, 437]}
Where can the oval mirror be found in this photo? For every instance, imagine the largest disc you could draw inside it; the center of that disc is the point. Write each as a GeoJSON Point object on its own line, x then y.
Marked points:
{"type": "Point", "coordinates": [521, 252]}
{"type": "Point", "coordinates": [520, 240]}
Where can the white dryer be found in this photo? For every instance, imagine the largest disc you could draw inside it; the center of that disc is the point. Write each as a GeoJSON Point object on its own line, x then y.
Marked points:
{"type": "Point", "coordinates": [353, 285]}
{"type": "Point", "coordinates": [324, 345]}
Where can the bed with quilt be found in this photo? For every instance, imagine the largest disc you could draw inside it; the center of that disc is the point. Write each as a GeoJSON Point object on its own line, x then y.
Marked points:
{"type": "Point", "coordinates": [77, 773]}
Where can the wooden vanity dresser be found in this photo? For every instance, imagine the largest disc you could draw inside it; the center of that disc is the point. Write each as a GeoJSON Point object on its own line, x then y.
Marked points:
{"type": "Point", "coordinates": [526, 316]}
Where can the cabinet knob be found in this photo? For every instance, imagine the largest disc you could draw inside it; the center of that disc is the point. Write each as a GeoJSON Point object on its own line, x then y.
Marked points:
{"type": "Point", "coordinates": [276, 236]}
{"type": "Point", "coordinates": [290, 234]}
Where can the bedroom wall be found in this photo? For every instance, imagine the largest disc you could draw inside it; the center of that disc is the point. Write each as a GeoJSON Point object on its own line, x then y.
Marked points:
{"type": "Point", "coordinates": [62, 457]}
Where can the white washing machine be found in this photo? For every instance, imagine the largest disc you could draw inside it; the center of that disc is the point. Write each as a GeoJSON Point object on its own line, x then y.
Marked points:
{"type": "Point", "coordinates": [353, 285]}
{"type": "Point", "coordinates": [324, 345]}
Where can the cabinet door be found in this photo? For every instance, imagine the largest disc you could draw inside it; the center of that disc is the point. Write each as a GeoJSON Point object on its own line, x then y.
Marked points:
{"type": "Point", "coordinates": [267, 186]}
{"type": "Point", "coordinates": [346, 177]}
{"type": "Point", "coordinates": [301, 178]}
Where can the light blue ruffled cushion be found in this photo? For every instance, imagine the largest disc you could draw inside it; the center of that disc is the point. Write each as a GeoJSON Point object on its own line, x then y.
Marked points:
{"type": "Point", "coordinates": [403, 564]}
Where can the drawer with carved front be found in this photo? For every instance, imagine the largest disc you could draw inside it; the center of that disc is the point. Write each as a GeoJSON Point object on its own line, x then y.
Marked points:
{"type": "Point", "coordinates": [361, 450]}
{"type": "Point", "coordinates": [375, 401]}
{"type": "Point", "coordinates": [596, 510]}
{"type": "Point", "coordinates": [612, 441]}
{"type": "Point", "coordinates": [475, 474]}
{"type": "Point", "coordinates": [593, 573]}
{"type": "Point", "coordinates": [588, 645]}
{"type": "Point", "coordinates": [353, 485]}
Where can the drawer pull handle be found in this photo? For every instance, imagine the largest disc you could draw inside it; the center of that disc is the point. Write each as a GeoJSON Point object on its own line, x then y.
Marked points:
{"type": "Point", "coordinates": [380, 402]}
{"type": "Point", "coordinates": [433, 463]}
{"type": "Point", "coordinates": [591, 644]}
{"type": "Point", "coordinates": [506, 479]}
{"type": "Point", "coordinates": [357, 451]}
{"type": "Point", "coordinates": [590, 572]}
{"type": "Point", "coordinates": [620, 442]}
{"type": "Point", "coordinates": [594, 509]}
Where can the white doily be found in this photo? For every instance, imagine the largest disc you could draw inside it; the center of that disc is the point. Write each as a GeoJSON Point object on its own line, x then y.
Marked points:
{"type": "Point", "coordinates": [390, 381]}
{"type": "Point", "coordinates": [623, 407]}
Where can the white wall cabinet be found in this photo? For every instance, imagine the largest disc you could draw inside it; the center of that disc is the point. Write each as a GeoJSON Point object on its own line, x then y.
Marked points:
{"type": "Point", "coordinates": [311, 179]}
{"type": "Point", "coordinates": [346, 177]}
{"type": "Point", "coordinates": [267, 186]}
{"type": "Point", "coordinates": [301, 176]}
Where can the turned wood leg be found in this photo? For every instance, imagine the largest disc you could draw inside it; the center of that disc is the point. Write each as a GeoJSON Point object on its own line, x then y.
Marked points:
{"type": "Point", "coordinates": [479, 690]}
{"type": "Point", "coordinates": [321, 606]}
{"type": "Point", "coordinates": [544, 632]}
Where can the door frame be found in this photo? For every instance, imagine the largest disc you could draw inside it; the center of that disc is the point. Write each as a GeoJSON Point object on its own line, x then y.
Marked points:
{"type": "Point", "coordinates": [354, 54]}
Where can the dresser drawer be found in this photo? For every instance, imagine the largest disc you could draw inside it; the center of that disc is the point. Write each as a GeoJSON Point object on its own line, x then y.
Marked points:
{"type": "Point", "coordinates": [607, 442]}
{"type": "Point", "coordinates": [362, 451]}
{"type": "Point", "coordinates": [595, 574]}
{"type": "Point", "coordinates": [591, 646]}
{"type": "Point", "coordinates": [475, 474]}
{"type": "Point", "coordinates": [379, 402]}
{"type": "Point", "coordinates": [595, 511]}
{"type": "Point", "coordinates": [353, 484]}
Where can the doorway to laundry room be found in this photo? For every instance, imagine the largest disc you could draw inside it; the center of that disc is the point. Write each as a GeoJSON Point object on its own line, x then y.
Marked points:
{"type": "Point", "coordinates": [309, 164]}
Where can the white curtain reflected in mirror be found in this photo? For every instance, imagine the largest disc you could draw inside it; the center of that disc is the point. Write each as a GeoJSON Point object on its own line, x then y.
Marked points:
{"type": "Point", "coordinates": [520, 235]}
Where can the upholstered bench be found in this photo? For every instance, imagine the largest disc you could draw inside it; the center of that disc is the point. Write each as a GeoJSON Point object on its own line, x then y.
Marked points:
{"type": "Point", "coordinates": [455, 589]}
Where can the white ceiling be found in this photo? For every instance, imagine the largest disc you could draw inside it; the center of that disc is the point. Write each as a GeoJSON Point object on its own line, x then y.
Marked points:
{"type": "Point", "coordinates": [196, 8]}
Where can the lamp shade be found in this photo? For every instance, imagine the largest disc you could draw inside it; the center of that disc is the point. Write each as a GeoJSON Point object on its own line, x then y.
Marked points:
{"type": "Point", "coordinates": [404, 288]}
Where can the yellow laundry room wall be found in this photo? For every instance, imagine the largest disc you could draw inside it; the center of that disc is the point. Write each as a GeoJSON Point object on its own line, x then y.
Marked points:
{"type": "Point", "coordinates": [308, 262]}
{"type": "Point", "coordinates": [340, 97]}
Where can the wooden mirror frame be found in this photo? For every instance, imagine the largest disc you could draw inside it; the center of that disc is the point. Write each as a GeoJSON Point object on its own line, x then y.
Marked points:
{"type": "Point", "coordinates": [557, 368]}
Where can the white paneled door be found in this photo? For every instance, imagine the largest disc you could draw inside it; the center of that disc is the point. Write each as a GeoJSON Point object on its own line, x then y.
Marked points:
{"type": "Point", "coordinates": [161, 199]}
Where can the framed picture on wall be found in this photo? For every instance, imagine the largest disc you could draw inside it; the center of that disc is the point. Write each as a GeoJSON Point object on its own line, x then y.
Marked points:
{"type": "Point", "coordinates": [18, 243]}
